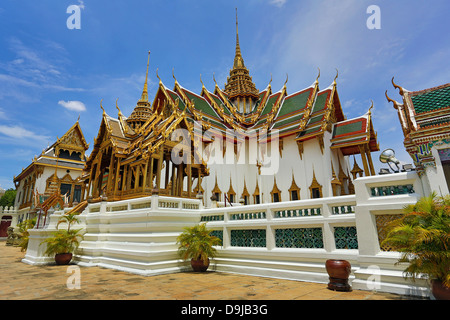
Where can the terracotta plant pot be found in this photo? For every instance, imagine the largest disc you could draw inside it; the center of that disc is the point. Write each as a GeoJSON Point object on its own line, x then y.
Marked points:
{"type": "Point", "coordinates": [338, 272]}
{"type": "Point", "coordinates": [440, 292]}
{"type": "Point", "coordinates": [199, 265]}
{"type": "Point", "coordinates": [63, 258]}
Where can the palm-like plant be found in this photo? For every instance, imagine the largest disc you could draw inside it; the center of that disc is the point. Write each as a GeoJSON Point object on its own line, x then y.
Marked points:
{"type": "Point", "coordinates": [422, 235]}
{"type": "Point", "coordinates": [23, 229]}
{"type": "Point", "coordinates": [197, 243]}
{"type": "Point", "coordinates": [64, 241]}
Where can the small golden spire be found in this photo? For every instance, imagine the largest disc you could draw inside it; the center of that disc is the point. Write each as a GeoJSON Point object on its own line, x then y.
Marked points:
{"type": "Point", "coordinates": [238, 61]}
{"type": "Point", "coordinates": [101, 106]}
{"type": "Point", "coordinates": [335, 78]}
{"type": "Point", "coordinates": [396, 86]}
{"type": "Point", "coordinates": [318, 76]}
{"type": "Point", "coordinates": [144, 96]}
{"type": "Point", "coordinates": [117, 106]}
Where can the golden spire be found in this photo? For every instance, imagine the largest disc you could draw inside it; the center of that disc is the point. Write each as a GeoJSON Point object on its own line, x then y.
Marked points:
{"type": "Point", "coordinates": [240, 84]}
{"type": "Point", "coordinates": [144, 96]}
{"type": "Point", "coordinates": [238, 60]}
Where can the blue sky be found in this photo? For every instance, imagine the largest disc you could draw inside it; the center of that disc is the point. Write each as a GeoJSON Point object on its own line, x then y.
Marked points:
{"type": "Point", "coordinates": [50, 75]}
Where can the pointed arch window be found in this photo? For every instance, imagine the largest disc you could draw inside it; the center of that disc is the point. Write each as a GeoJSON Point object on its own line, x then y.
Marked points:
{"type": "Point", "coordinates": [231, 194]}
{"type": "Point", "coordinates": [315, 188]}
{"type": "Point", "coordinates": [275, 193]}
{"type": "Point", "coordinates": [294, 190]}
{"type": "Point", "coordinates": [256, 195]}
{"type": "Point", "coordinates": [245, 195]}
{"type": "Point", "coordinates": [216, 191]}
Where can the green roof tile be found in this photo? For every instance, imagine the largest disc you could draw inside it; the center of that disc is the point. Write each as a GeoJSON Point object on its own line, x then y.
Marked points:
{"type": "Point", "coordinates": [293, 103]}
{"type": "Point", "coordinates": [431, 100]}
{"type": "Point", "coordinates": [201, 104]}
{"type": "Point", "coordinates": [320, 102]}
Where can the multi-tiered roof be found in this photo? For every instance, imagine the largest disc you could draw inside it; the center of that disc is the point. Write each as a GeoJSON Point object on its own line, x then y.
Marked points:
{"type": "Point", "coordinates": [303, 114]}
{"type": "Point", "coordinates": [425, 120]}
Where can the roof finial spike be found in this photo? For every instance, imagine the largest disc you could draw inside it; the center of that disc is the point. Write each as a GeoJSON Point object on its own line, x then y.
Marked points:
{"type": "Point", "coordinates": [173, 75]}
{"type": "Point", "coordinates": [335, 78]}
{"type": "Point", "coordinates": [117, 106]}
{"type": "Point", "coordinates": [144, 96]}
{"type": "Point", "coordinates": [237, 28]}
{"type": "Point", "coordinates": [400, 89]}
{"type": "Point", "coordinates": [201, 81]}
{"type": "Point", "coordinates": [238, 61]}
{"type": "Point", "coordinates": [157, 75]}
{"type": "Point", "coordinates": [101, 106]}
{"type": "Point", "coordinates": [287, 78]}
{"type": "Point", "coordinates": [318, 76]}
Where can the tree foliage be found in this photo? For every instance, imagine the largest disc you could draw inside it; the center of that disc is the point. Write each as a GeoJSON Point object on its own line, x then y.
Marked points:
{"type": "Point", "coordinates": [422, 235]}
{"type": "Point", "coordinates": [8, 198]}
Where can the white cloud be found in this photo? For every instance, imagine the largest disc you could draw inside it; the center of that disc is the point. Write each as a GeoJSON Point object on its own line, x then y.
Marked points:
{"type": "Point", "coordinates": [278, 3]}
{"type": "Point", "coordinates": [17, 132]}
{"type": "Point", "coordinates": [73, 105]}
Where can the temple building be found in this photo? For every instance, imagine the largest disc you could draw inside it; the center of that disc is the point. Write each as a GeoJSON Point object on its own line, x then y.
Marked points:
{"type": "Point", "coordinates": [425, 120]}
{"type": "Point", "coordinates": [237, 144]}
{"type": "Point", "coordinates": [55, 170]}
{"type": "Point", "coordinates": [272, 173]}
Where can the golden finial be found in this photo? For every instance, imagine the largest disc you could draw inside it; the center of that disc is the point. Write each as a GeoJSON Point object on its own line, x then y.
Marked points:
{"type": "Point", "coordinates": [287, 78]}
{"type": "Point", "coordinates": [214, 78]}
{"type": "Point", "coordinates": [117, 106]}
{"type": "Point", "coordinates": [101, 106]}
{"type": "Point", "coordinates": [201, 81]}
{"type": "Point", "coordinates": [157, 75]}
{"type": "Point", "coordinates": [400, 89]}
{"type": "Point", "coordinates": [337, 75]}
{"type": "Point", "coordinates": [391, 100]}
{"type": "Point", "coordinates": [270, 80]}
{"type": "Point", "coordinates": [144, 96]}
{"type": "Point", "coordinates": [318, 76]}
{"type": "Point", "coordinates": [173, 75]}
{"type": "Point", "coordinates": [78, 118]}
{"type": "Point", "coordinates": [371, 106]}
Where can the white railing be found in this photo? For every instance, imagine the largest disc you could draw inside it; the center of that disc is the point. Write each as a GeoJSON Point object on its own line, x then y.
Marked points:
{"type": "Point", "coordinates": [301, 214]}
{"type": "Point", "coordinates": [151, 203]}
{"type": "Point", "coordinates": [286, 240]}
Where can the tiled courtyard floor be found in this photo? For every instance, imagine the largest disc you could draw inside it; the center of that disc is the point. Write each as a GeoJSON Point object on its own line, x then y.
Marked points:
{"type": "Point", "coordinates": [20, 281]}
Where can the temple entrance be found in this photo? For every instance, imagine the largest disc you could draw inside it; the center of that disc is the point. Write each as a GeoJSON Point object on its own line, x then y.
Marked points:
{"type": "Point", "coordinates": [444, 155]}
{"type": "Point", "coordinates": [4, 224]}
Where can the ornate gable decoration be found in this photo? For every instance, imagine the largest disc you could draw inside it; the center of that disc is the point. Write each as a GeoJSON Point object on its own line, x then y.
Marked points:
{"type": "Point", "coordinates": [72, 141]}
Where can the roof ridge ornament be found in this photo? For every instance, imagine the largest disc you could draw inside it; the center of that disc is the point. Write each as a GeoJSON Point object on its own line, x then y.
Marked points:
{"type": "Point", "coordinates": [335, 78]}
{"type": "Point", "coordinates": [396, 86]}
{"type": "Point", "coordinates": [117, 106]}
{"type": "Point", "coordinates": [201, 81]}
{"type": "Point", "coordinates": [101, 106]}
{"type": "Point", "coordinates": [173, 75]}
{"type": "Point", "coordinates": [144, 96]}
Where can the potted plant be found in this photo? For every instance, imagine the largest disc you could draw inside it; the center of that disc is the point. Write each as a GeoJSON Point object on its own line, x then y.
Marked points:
{"type": "Point", "coordinates": [422, 235]}
{"type": "Point", "coordinates": [197, 244]}
{"type": "Point", "coordinates": [64, 242]}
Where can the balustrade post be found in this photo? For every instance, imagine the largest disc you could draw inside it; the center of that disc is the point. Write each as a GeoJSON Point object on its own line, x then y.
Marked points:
{"type": "Point", "coordinates": [270, 238]}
